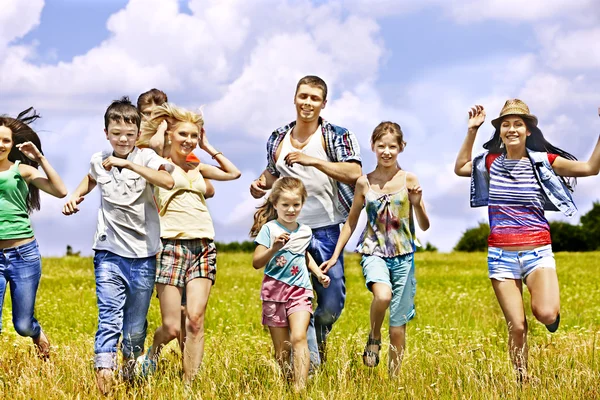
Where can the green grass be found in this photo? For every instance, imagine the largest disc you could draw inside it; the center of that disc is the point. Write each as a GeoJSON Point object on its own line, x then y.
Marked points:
{"type": "Point", "coordinates": [456, 346]}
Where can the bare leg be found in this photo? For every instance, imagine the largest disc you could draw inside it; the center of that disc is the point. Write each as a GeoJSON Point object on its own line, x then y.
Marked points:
{"type": "Point", "coordinates": [545, 296]}
{"type": "Point", "coordinates": [283, 348]}
{"type": "Point", "coordinates": [298, 327]}
{"type": "Point", "coordinates": [397, 345]}
{"type": "Point", "coordinates": [197, 292]}
{"type": "Point", "coordinates": [170, 305]}
{"type": "Point", "coordinates": [382, 296]}
{"type": "Point", "coordinates": [510, 297]}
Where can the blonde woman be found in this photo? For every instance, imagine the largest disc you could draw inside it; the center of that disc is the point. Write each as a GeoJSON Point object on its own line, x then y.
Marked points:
{"type": "Point", "coordinates": [188, 256]}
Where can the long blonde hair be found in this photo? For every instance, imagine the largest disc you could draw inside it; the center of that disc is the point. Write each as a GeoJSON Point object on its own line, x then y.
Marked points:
{"type": "Point", "coordinates": [173, 115]}
{"type": "Point", "coordinates": [267, 212]}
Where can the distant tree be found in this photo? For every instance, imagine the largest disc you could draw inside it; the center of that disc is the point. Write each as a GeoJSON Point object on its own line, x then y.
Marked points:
{"type": "Point", "coordinates": [567, 237]}
{"type": "Point", "coordinates": [428, 247]}
{"type": "Point", "coordinates": [590, 225]}
{"type": "Point", "coordinates": [71, 253]}
{"type": "Point", "coordinates": [234, 247]}
{"type": "Point", "coordinates": [474, 239]}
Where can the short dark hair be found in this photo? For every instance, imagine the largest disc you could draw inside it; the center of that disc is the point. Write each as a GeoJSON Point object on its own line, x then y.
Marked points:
{"type": "Point", "coordinates": [122, 110]}
{"type": "Point", "coordinates": [152, 96]}
{"type": "Point", "coordinates": [315, 81]}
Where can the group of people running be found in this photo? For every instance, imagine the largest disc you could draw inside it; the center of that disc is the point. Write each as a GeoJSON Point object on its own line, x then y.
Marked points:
{"type": "Point", "coordinates": [154, 228]}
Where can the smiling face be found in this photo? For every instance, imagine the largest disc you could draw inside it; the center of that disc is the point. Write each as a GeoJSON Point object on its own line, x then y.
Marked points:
{"type": "Point", "coordinates": [122, 137]}
{"type": "Point", "coordinates": [309, 102]}
{"type": "Point", "coordinates": [6, 142]}
{"type": "Point", "coordinates": [184, 138]}
{"type": "Point", "coordinates": [513, 131]}
{"type": "Point", "coordinates": [288, 206]}
{"type": "Point", "coordinates": [386, 149]}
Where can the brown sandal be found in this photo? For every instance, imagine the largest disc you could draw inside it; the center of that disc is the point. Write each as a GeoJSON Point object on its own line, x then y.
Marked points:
{"type": "Point", "coordinates": [42, 345]}
{"type": "Point", "coordinates": [370, 353]}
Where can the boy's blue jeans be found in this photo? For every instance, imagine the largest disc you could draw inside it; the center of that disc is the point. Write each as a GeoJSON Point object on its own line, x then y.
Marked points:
{"type": "Point", "coordinates": [330, 301]}
{"type": "Point", "coordinates": [124, 288]}
{"type": "Point", "coordinates": [21, 267]}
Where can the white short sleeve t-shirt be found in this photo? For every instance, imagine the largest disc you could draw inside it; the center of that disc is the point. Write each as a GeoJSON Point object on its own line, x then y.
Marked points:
{"type": "Point", "coordinates": [128, 223]}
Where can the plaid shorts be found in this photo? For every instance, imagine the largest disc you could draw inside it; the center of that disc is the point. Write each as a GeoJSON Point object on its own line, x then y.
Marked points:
{"type": "Point", "coordinates": [180, 261]}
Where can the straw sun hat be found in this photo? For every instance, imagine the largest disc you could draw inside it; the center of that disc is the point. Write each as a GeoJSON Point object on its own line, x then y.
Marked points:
{"type": "Point", "coordinates": [518, 108]}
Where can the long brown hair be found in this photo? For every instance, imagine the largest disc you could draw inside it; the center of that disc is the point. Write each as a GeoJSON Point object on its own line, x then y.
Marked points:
{"type": "Point", "coordinates": [267, 212]}
{"type": "Point", "coordinates": [386, 127]}
{"type": "Point", "coordinates": [21, 133]}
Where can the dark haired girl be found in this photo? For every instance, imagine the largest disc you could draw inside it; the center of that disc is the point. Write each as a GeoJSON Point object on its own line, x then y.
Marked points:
{"type": "Point", "coordinates": [519, 176]}
{"type": "Point", "coordinates": [20, 182]}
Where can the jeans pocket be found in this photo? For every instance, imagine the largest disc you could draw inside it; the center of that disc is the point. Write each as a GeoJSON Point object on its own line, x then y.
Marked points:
{"type": "Point", "coordinates": [29, 253]}
{"type": "Point", "coordinates": [99, 257]}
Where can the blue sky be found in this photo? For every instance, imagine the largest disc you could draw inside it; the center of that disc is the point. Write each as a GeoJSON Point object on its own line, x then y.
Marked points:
{"type": "Point", "coordinates": [421, 64]}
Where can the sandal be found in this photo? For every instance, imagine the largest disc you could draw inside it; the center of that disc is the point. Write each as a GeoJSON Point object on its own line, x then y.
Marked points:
{"type": "Point", "coordinates": [42, 344]}
{"type": "Point", "coordinates": [368, 355]}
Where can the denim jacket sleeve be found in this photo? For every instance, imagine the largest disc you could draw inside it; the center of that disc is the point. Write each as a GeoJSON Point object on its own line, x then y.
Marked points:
{"type": "Point", "coordinates": [480, 182]}
{"type": "Point", "coordinates": [557, 195]}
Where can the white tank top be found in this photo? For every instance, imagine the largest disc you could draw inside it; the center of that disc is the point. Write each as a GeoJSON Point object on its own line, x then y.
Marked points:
{"type": "Point", "coordinates": [319, 209]}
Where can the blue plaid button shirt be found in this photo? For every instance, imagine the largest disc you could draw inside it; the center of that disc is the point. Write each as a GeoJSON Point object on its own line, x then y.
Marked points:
{"type": "Point", "coordinates": [341, 145]}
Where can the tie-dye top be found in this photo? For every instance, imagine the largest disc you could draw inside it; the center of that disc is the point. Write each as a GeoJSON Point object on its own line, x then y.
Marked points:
{"type": "Point", "coordinates": [390, 227]}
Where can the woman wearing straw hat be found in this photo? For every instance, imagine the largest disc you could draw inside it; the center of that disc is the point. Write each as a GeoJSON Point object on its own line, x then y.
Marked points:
{"type": "Point", "coordinates": [519, 176]}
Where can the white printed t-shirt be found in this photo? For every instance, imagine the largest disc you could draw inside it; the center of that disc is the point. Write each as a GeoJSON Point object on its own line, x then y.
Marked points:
{"type": "Point", "coordinates": [128, 223]}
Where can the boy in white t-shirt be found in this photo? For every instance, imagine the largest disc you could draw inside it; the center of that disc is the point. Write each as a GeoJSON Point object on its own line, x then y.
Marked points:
{"type": "Point", "coordinates": [127, 238]}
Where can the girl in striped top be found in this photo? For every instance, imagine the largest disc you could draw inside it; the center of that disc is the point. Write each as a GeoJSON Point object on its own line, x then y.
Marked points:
{"type": "Point", "coordinates": [519, 177]}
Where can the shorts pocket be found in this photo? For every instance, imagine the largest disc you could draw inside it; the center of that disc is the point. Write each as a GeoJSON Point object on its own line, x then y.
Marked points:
{"type": "Point", "coordinates": [269, 309]}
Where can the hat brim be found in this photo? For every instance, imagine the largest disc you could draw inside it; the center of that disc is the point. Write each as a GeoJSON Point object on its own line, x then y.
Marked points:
{"type": "Point", "coordinates": [529, 117]}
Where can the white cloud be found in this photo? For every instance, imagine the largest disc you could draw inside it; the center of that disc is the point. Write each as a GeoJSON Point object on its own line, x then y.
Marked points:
{"type": "Point", "coordinates": [17, 18]}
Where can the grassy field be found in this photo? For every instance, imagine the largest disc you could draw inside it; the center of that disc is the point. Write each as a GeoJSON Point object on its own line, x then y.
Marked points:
{"type": "Point", "coordinates": [457, 345]}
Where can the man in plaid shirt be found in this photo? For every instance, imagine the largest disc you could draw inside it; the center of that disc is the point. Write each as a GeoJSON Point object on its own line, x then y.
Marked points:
{"type": "Point", "coordinates": [327, 159]}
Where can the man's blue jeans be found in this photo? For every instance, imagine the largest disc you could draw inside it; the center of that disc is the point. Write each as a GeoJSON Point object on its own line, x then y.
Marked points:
{"type": "Point", "coordinates": [330, 301]}
{"type": "Point", "coordinates": [124, 289]}
{"type": "Point", "coordinates": [21, 267]}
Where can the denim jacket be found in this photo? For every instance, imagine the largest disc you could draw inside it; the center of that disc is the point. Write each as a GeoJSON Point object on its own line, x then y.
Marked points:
{"type": "Point", "coordinates": [557, 195]}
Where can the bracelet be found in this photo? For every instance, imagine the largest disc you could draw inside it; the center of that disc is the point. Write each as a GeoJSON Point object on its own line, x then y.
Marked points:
{"type": "Point", "coordinates": [216, 154]}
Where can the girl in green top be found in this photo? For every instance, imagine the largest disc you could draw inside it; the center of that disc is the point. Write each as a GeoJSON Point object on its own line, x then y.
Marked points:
{"type": "Point", "coordinates": [20, 182]}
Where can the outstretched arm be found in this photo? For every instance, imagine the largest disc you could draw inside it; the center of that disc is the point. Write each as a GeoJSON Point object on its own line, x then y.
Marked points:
{"type": "Point", "coordinates": [463, 164]}
{"type": "Point", "coordinates": [51, 183]}
{"type": "Point", "coordinates": [86, 185]}
{"type": "Point", "coordinates": [350, 225]}
{"type": "Point", "coordinates": [565, 167]}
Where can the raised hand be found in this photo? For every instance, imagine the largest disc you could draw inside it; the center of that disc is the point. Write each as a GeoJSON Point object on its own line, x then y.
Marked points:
{"type": "Point", "coordinates": [203, 142]}
{"type": "Point", "coordinates": [415, 194]}
{"type": "Point", "coordinates": [30, 151]}
{"type": "Point", "coordinates": [281, 241]}
{"type": "Point", "coordinates": [476, 116]}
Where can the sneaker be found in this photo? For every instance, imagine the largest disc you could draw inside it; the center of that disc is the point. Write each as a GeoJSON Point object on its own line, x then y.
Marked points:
{"type": "Point", "coordinates": [553, 327]}
{"type": "Point", "coordinates": [145, 366]}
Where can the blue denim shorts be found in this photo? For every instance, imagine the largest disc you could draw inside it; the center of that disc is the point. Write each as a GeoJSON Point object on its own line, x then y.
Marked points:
{"type": "Point", "coordinates": [503, 264]}
{"type": "Point", "coordinates": [399, 274]}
